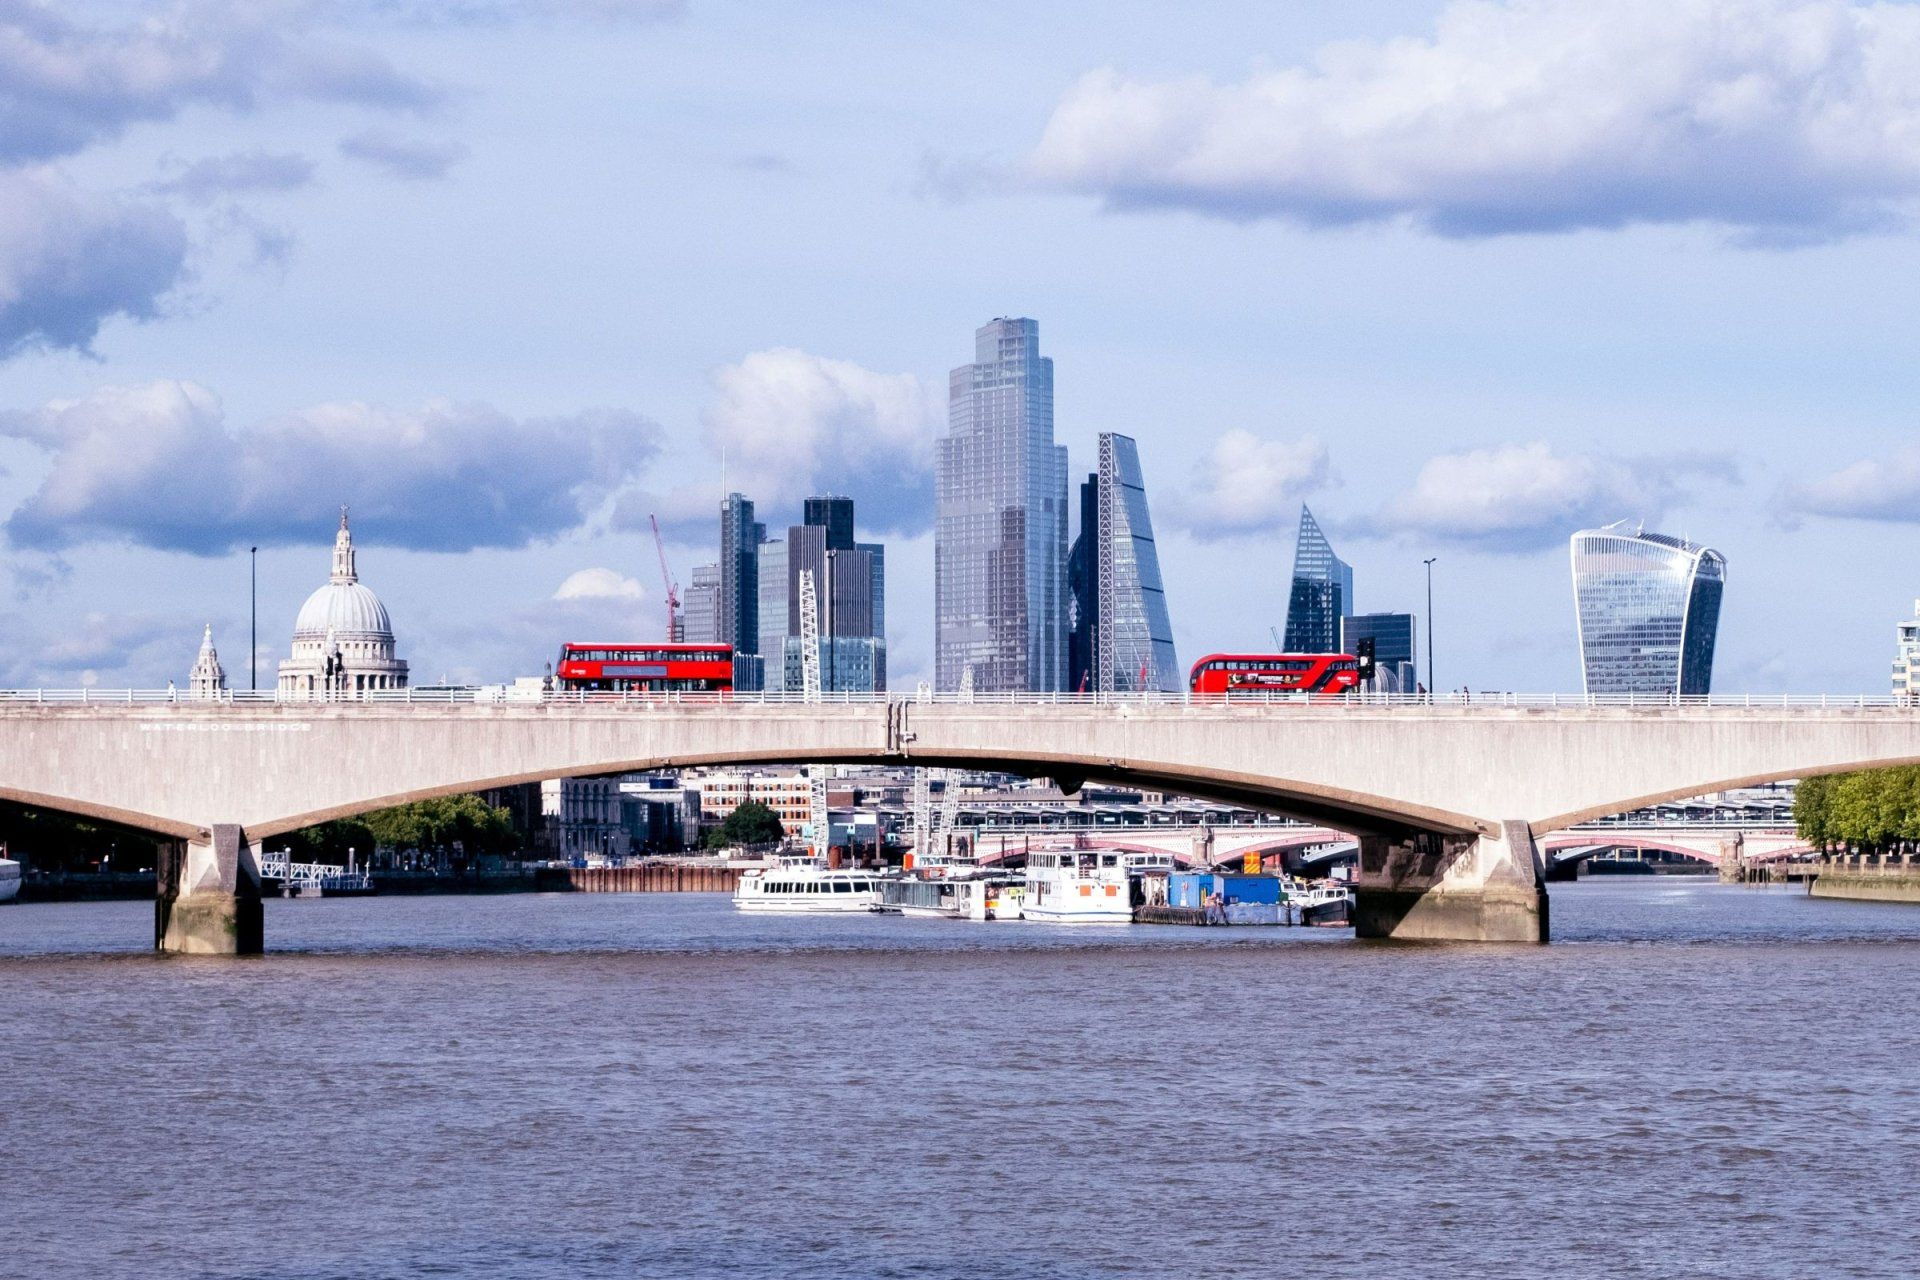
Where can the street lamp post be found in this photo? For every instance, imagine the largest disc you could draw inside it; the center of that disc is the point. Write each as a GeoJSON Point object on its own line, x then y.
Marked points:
{"type": "Point", "coordinates": [1432, 688]}
{"type": "Point", "coordinates": [253, 623]}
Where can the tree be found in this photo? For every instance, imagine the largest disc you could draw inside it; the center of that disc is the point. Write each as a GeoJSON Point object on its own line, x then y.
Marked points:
{"type": "Point", "coordinates": [750, 823]}
{"type": "Point", "coordinates": [428, 825]}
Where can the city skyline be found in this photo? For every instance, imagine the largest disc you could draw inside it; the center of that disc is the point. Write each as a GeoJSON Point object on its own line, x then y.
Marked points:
{"type": "Point", "coordinates": [1450, 372]}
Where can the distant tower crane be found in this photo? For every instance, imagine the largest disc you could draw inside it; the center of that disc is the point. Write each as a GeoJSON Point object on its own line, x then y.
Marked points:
{"type": "Point", "coordinates": [676, 632]}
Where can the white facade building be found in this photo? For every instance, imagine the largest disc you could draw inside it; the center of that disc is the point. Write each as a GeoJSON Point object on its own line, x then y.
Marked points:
{"type": "Point", "coordinates": [1906, 658]}
{"type": "Point", "coordinates": [342, 640]}
{"type": "Point", "coordinates": [207, 680]}
{"type": "Point", "coordinates": [581, 818]}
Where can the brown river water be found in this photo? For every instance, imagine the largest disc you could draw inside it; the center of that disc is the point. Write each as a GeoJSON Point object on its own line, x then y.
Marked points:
{"type": "Point", "coordinates": [1694, 1080]}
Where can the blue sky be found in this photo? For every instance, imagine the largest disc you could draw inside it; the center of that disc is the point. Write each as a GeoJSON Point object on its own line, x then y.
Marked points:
{"type": "Point", "coordinates": [508, 277]}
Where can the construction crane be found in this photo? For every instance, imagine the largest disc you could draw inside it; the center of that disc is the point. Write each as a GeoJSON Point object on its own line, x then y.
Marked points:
{"type": "Point", "coordinates": [675, 632]}
{"type": "Point", "coordinates": [922, 813]}
{"type": "Point", "coordinates": [810, 692]}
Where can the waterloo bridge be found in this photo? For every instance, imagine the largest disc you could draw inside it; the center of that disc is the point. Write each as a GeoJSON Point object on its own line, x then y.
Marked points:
{"type": "Point", "coordinates": [1447, 798]}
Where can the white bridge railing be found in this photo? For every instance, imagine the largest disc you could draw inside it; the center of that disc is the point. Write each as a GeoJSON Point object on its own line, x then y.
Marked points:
{"type": "Point", "coordinates": [493, 695]}
{"type": "Point", "coordinates": [303, 875]}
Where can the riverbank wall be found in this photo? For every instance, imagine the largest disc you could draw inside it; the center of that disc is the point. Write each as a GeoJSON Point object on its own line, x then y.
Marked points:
{"type": "Point", "coordinates": [1862, 880]}
{"type": "Point", "coordinates": [651, 877]}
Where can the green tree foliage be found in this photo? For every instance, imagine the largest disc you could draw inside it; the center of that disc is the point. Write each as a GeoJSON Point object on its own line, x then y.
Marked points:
{"type": "Point", "coordinates": [1871, 811]}
{"type": "Point", "coordinates": [751, 823]}
{"type": "Point", "coordinates": [428, 825]}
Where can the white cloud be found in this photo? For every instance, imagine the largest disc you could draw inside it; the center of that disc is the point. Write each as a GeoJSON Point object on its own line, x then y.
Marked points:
{"type": "Point", "coordinates": [1524, 497]}
{"type": "Point", "coordinates": [599, 584]}
{"type": "Point", "coordinates": [69, 261]}
{"type": "Point", "coordinates": [159, 466]}
{"type": "Point", "coordinates": [789, 424]}
{"type": "Point", "coordinates": [65, 84]}
{"type": "Point", "coordinates": [1791, 119]}
{"type": "Point", "coordinates": [1246, 485]}
{"type": "Point", "coordinates": [1872, 489]}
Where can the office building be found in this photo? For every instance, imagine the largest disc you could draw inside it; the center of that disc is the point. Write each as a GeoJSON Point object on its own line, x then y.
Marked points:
{"type": "Point", "coordinates": [1000, 533]}
{"type": "Point", "coordinates": [773, 606]}
{"type": "Point", "coordinates": [849, 592]}
{"type": "Point", "coordinates": [1906, 658]}
{"type": "Point", "coordinates": [700, 608]}
{"type": "Point", "coordinates": [1322, 591]}
{"type": "Point", "coordinates": [1122, 637]}
{"type": "Point", "coordinates": [739, 601]}
{"type": "Point", "coordinates": [1395, 648]}
{"type": "Point", "coordinates": [1648, 610]}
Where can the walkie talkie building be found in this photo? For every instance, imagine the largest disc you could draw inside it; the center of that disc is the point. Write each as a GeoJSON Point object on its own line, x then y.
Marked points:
{"type": "Point", "coordinates": [1648, 607]}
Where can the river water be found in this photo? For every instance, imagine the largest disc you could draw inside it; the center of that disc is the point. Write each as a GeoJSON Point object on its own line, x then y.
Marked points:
{"type": "Point", "coordinates": [1695, 1080]}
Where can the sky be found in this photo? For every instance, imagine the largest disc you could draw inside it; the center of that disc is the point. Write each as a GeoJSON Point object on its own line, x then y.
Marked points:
{"type": "Point", "coordinates": [508, 278]}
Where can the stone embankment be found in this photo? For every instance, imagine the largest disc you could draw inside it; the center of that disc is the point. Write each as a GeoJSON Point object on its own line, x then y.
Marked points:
{"type": "Point", "coordinates": [1864, 878]}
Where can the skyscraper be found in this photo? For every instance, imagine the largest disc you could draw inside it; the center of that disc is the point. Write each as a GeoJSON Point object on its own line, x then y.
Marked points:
{"type": "Point", "coordinates": [701, 609]}
{"type": "Point", "coordinates": [740, 539]}
{"type": "Point", "coordinates": [1322, 591]}
{"type": "Point", "coordinates": [1000, 535]}
{"type": "Point", "coordinates": [1394, 647]}
{"type": "Point", "coordinates": [1648, 608]}
{"type": "Point", "coordinates": [850, 585]}
{"type": "Point", "coordinates": [1122, 636]}
{"type": "Point", "coordinates": [1906, 657]}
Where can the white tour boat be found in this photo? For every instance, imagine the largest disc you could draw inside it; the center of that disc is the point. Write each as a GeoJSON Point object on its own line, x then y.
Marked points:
{"type": "Point", "coordinates": [1086, 886]}
{"type": "Point", "coordinates": [985, 895]}
{"type": "Point", "coordinates": [9, 879]}
{"type": "Point", "coordinates": [806, 885]}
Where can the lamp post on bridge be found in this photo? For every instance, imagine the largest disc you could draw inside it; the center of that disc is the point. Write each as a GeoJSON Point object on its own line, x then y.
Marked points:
{"type": "Point", "coordinates": [1431, 687]}
{"type": "Point", "coordinates": [253, 623]}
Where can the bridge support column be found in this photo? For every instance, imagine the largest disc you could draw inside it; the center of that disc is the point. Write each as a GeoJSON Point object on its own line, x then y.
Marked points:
{"type": "Point", "coordinates": [209, 896]}
{"type": "Point", "coordinates": [1490, 888]}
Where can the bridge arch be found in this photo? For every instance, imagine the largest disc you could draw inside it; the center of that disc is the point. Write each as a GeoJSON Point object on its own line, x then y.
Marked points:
{"type": "Point", "coordinates": [1346, 809]}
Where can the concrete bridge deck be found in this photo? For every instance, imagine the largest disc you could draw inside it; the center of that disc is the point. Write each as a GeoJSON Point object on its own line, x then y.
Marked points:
{"type": "Point", "coordinates": [1446, 796]}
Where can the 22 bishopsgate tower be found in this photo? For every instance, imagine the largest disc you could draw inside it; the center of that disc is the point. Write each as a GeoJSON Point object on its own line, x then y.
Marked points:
{"type": "Point", "coordinates": [1000, 539]}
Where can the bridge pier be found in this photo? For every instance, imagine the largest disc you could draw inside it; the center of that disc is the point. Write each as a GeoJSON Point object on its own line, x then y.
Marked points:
{"type": "Point", "coordinates": [1490, 888]}
{"type": "Point", "coordinates": [208, 900]}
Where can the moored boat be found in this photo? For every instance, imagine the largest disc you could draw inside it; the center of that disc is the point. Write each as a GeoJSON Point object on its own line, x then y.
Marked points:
{"type": "Point", "coordinates": [9, 879]}
{"type": "Point", "coordinates": [1087, 886]}
{"type": "Point", "coordinates": [806, 886]}
{"type": "Point", "coordinates": [1325, 902]}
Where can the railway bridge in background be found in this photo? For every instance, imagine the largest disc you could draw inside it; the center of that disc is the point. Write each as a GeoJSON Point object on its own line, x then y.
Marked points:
{"type": "Point", "coordinates": [1445, 797]}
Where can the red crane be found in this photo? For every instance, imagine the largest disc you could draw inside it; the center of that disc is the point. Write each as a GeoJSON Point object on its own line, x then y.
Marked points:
{"type": "Point", "coordinates": [674, 632]}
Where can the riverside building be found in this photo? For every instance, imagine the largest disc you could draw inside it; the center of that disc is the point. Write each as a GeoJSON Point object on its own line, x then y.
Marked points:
{"type": "Point", "coordinates": [1906, 657]}
{"type": "Point", "coordinates": [1000, 532]}
{"type": "Point", "coordinates": [1648, 610]}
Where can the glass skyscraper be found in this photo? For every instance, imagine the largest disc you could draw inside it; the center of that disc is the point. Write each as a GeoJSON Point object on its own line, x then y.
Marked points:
{"type": "Point", "coordinates": [1122, 636]}
{"type": "Point", "coordinates": [1395, 646]}
{"type": "Point", "coordinates": [1000, 533]}
{"type": "Point", "coordinates": [1322, 591]}
{"type": "Point", "coordinates": [1648, 607]}
{"type": "Point", "coordinates": [850, 594]}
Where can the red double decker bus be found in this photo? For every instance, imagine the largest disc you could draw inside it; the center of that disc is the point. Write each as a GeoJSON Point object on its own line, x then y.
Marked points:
{"type": "Point", "coordinates": [646, 668]}
{"type": "Point", "coordinates": [1318, 673]}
